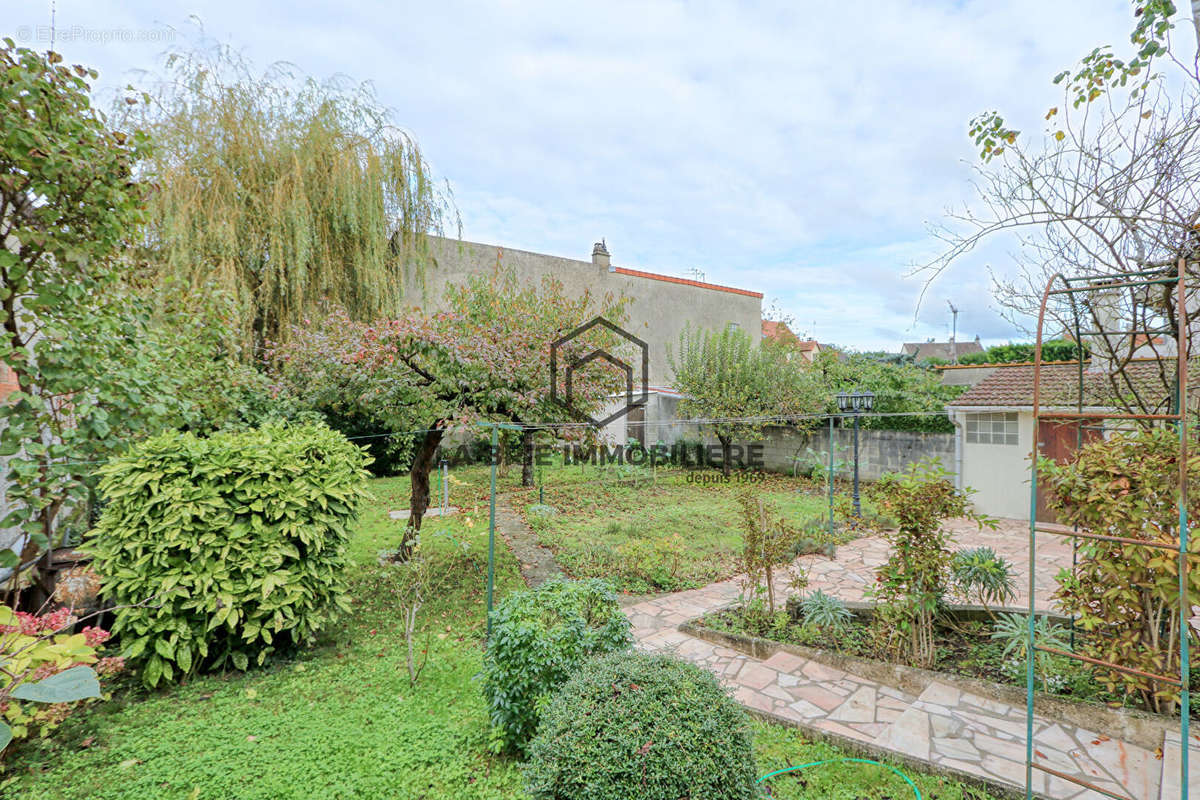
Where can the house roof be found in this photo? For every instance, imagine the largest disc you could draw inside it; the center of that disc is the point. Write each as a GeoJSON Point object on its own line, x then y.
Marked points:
{"type": "Point", "coordinates": [943, 350]}
{"type": "Point", "coordinates": [1012, 386]}
{"type": "Point", "coordinates": [773, 329]}
{"type": "Point", "coordinates": [654, 276]}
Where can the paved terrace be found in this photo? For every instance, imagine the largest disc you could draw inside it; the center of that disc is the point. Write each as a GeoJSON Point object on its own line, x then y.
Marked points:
{"type": "Point", "coordinates": [944, 725]}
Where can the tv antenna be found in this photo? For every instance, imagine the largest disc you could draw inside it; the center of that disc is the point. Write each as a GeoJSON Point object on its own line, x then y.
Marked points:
{"type": "Point", "coordinates": [953, 333]}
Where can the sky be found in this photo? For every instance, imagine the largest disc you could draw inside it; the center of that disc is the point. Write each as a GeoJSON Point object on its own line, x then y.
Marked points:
{"type": "Point", "coordinates": [797, 149]}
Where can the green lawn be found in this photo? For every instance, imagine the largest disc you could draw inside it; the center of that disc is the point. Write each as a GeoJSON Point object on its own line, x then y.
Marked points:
{"type": "Point", "coordinates": [678, 532]}
{"type": "Point", "coordinates": [341, 721]}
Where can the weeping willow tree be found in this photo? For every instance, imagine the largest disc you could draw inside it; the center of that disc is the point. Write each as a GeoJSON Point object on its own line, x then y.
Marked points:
{"type": "Point", "coordinates": [283, 191]}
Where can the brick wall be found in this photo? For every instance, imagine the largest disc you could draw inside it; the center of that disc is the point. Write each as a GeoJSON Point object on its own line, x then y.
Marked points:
{"type": "Point", "coordinates": [8, 381]}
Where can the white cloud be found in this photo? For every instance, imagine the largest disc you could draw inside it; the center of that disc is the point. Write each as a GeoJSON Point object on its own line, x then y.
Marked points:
{"type": "Point", "coordinates": [793, 148]}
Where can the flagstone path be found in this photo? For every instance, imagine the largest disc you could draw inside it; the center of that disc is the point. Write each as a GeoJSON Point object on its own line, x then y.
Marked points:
{"type": "Point", "coordinates": [943, 725]}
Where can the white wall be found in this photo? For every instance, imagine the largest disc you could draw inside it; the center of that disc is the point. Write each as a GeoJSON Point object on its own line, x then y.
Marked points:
{"type": "Point", "coordinates": [999, 473]}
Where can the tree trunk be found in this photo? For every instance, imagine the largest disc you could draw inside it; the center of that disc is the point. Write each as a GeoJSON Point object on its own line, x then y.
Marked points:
{"type": "Point", "coordinates": [527, 457]}
{"type": "Point", "coordinates": [726, 443]}
{"type": "Point", "coordinates": [419, 475]}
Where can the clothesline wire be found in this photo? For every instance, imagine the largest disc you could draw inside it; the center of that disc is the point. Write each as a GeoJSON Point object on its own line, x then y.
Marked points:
{"type": "Point", "coordinates": [550, 425]}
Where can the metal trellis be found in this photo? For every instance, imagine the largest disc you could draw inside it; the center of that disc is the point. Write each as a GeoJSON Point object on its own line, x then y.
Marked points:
{"type": "Point", "coordinates": [1099, 416]}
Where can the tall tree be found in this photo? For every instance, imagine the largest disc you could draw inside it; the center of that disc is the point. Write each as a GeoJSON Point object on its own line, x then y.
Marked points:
{"type": "Point", "coordinates": [94, 370]}
{"type": "Point", "coordinates": [284, 191]}
{"type": "Point", "coordinates": [737, 387]}
{"type": "Point", "coordinates": [1111, 186]}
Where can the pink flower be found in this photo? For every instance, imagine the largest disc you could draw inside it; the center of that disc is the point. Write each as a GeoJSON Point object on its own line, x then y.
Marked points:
{"type": "Point", "coordinates": [95, 636]}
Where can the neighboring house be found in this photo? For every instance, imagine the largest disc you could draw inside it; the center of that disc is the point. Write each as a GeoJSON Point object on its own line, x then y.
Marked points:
{"type": "Point", "coordinates": [945, 351]}
{"type": "Point", "coordinates": [660, 307]}
{"type": "Point", "coordinates": [995, 433]}
{"type": "Point", "coordinates": [776, 331]}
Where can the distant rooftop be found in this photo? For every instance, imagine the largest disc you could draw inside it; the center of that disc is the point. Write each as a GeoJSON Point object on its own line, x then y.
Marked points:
{"type": "Point", "coordinates": [922, 351]}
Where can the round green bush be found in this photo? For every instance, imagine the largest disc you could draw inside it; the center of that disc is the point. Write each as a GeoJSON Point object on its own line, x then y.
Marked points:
{"type": "Point", "coordinates": [635, 726]}
{"type": "Point", "coordinates": [538, 639]}
{"type": "Point", "coordinates": [228, 547]}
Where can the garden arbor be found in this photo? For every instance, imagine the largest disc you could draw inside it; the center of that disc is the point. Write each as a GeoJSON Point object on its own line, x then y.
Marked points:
{"type": "Point", "coordinates": [1155, 300]}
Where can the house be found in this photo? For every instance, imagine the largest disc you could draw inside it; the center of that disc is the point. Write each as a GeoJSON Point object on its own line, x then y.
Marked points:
{"type": "Point", "coordinates": [778, 331]}
{"type": "Point", "coordinates": [994, 426]}
{"type": "Point", "coordinates": [660, 307]}
{"type": "Point", "coordinates": [944, 351]}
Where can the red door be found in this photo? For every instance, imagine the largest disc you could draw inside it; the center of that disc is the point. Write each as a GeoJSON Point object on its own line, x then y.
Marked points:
{"type": "Point", "coordinates": [1059, 439]}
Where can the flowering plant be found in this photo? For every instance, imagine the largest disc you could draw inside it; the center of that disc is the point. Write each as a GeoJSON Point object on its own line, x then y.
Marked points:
{"type": "Point", "coordinates": [42, 663]}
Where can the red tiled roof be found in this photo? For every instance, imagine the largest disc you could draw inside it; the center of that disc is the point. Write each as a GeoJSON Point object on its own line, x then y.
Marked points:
{"type": "Point", "coordinates": [654, 276]}
{"type": "Point", "coordinates": [1012, 386]}
{"type": "Point", "coordinates": [773, 329]}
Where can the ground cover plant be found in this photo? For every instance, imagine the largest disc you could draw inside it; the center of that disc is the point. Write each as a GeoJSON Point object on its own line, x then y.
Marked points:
{"type": "Point", "coordinates": [341, 719]}
{"type": "Point", "coordinates": [671, 530]}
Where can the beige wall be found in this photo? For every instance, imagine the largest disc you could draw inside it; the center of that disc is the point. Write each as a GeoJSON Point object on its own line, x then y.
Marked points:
{"type": "Point", "coordinates": [999, 473]}
{"type": "Point", "coordinates": [658, 310]}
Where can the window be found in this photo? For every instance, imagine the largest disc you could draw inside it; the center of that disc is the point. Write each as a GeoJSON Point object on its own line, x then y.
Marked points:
{"type": "Point", "coordinates": [994, 428]}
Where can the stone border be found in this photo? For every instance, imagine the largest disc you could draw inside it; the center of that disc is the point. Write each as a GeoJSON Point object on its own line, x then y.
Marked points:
{"type": "Point", "coordinates": [1137, 727]}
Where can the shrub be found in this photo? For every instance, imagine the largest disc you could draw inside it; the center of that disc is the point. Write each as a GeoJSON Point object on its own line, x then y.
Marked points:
{"type": "Point", "coordinates": [636, 726]}
{"type": "Point", "coordinates": [538, 638]}
{"type": "Point", "coordinates": [654, 561]}
{"type": "Point", "coordinates": [239, 539]}
{"type": "Point", "coordinates": [1126, 597]}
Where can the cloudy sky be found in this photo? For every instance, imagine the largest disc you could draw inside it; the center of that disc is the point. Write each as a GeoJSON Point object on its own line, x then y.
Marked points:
{"type": "Point", "coordinates": [798, 149]}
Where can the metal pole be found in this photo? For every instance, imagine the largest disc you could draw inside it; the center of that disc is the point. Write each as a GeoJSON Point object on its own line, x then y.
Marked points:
{"type": "Point", "coordinates": [830, 477]}
{"type": "Point", "coordinates": [445, 488]}
{"type": "Point", "coordinates": [857, 507]}
{"type": "Point", "coordinates": [491, 573]}
{"type": "Point", "coordinates": [1185, 609]}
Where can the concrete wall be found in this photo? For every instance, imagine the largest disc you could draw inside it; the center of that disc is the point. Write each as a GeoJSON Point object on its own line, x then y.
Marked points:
{"type": "Point", "coordinates": [658, 311]}
{"type": "Point", "coordinates": [878, 451]}
{"type": "Point", "coordinates": [999, 473]}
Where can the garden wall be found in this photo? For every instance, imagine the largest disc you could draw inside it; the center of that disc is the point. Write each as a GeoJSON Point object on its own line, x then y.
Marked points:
{"type": "Point", "coordinates": [878, 451]}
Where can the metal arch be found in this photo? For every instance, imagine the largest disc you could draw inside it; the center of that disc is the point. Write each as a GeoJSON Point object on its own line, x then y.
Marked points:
{"type": "Point", "coordinates": [1179, 416]}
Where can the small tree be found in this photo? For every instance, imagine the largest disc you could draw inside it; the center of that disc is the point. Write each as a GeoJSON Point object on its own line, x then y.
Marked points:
{"type": "Point", "coordinates": [768, 542]}
{"type": "Point", "coordinates": [911, 585]}
{"type": "Point", "coordinates": [737, 387]}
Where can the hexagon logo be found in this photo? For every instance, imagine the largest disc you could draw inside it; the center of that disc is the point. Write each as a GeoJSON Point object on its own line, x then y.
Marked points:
{"type": "Point", "coordinates": [566, 398]}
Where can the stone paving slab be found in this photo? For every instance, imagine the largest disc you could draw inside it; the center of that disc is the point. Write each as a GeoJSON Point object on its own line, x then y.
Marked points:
{"type": "Point", "coordinates": [944, 725]}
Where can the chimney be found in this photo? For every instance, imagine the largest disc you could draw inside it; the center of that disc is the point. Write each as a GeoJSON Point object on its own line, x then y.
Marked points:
{"type": "Point", "coordinates": [600, 256]}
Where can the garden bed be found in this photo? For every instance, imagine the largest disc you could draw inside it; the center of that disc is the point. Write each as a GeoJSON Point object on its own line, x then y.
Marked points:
{"type": "Point", "coordinates": [968, 657]}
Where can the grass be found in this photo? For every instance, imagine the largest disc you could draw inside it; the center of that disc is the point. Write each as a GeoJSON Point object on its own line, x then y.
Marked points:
{"type": "Point", "coordinates": [340, 720]}
{"type": "Point", "coordinates": [679, 532]}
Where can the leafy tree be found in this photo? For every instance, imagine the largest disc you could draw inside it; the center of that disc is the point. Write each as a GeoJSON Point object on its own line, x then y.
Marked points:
{"type": "Point", "coordinates": [739, 387]}
{"type": "Point", "coordinates": [283, 191]}
{"type": "Point", "coordinates": [67, 201]}
{"type": "Point", "coordinates": [900, 388]}
{"type": "Point", "coordinates": [487, 358]}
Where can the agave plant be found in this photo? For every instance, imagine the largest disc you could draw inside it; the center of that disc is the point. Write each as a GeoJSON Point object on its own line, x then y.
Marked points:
{"type": "Point", "coordinates": [825, 612]}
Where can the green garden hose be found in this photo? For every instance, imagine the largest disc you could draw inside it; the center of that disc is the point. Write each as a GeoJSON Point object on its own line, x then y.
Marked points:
{"type": "Point", "coordinates": [907, 780]}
